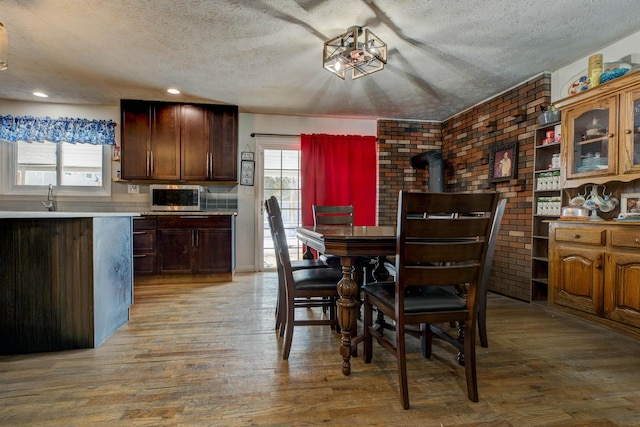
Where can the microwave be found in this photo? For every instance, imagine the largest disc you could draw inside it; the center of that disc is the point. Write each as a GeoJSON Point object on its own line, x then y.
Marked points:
{"type": "Point", "coordinates": [168, 197]}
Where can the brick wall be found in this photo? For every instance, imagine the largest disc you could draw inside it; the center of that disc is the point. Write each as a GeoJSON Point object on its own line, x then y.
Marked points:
{"type": "Point", "coordinates": [465, 142]}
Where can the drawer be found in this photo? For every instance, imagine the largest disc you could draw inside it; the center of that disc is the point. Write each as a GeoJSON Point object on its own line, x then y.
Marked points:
{"type": "Point", "coordinates": [194, 221]}
{"type": "Point", "coordinates": [144, 264]}
{"type": "Point", "coordinates": [580, 235]}
{"type": "Point", "coordinates": [144, 241]}
{"type": "Point", "coordinates": [145, 222]}
{"type": "Point", "coordinates": [625, 238]}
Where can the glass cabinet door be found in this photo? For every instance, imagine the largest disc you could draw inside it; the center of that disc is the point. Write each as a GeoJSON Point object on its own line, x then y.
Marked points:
{"type": "Point", "coordinates": [592, 141]}
{"type": "Point", "coordinates": [630, 151]}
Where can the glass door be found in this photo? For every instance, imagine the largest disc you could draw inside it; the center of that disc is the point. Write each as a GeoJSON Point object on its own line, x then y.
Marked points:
{"type": "Point", "coordinates": [630, 140]}
{"type": "Point", "coordinates": [281, 178]}
{"type": "Point", "coordinates": [592, 141]}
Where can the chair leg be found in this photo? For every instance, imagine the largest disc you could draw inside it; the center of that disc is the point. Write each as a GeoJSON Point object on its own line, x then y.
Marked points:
{"type": "Point", "coordinates": [482, 320]}
{"type": "Point", "coordinates": [470, 365]}
{"type": "Point", "coordinates": [426, 339]}
{"type": "Point", "coordinates": [368, 338]}
{"type": "Point", "coordinates": [288, 336]}
{"type": "Point", "coordinates": [401, 355]}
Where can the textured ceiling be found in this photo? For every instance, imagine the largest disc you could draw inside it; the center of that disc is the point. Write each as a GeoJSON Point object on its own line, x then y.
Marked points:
{"type": "Point", "coordinates": [265, 55]}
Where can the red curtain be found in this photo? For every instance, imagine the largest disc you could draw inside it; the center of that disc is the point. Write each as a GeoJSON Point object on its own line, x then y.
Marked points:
{"type": "Point", "coordinates": [339, 170]}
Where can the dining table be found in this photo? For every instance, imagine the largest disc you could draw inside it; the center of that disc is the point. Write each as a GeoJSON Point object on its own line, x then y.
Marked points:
{"type": "Point", "coordinates": [349, 243]}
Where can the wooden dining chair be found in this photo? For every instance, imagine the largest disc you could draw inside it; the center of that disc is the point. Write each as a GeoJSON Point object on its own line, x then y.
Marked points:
{"type": "Point", "coordinates": [299, 264]}
{"type": "Point", "coordinates": [486, 273]}
{"type": "Point", "coordinates": [303, 288]}
{"type": "Point", "coordinates": [445, 247]}
{"type": "Point", "coordinates": [342, 215]}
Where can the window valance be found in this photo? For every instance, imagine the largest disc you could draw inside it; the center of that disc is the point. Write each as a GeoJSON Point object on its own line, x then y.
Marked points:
{"type": "Point", "coordinates": [64, 129]}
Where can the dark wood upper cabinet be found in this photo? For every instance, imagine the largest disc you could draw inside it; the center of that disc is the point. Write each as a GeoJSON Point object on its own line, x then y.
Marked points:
{"type": "Point", "coordinates": [179, 142]}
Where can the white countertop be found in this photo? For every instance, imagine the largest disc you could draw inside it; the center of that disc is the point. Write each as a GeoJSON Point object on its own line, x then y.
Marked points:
{"type": "Point", "coordinates": [56, 214]}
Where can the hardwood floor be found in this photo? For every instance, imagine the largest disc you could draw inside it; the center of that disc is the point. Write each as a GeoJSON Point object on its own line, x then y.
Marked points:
{"type": "Point", "coordinates": [207, 355]}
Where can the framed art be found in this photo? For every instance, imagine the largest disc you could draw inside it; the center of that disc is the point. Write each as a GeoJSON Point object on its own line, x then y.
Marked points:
{"type": "Point", "coordinates": [503, 162]}
{"type": "Point", "coordinates": [246, 172]}
{"type": "Point", "coordinates": [630, 203]}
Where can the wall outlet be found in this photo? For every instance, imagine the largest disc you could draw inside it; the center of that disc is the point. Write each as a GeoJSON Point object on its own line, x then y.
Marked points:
{"type": "Point", "coordinates": [133, 189]}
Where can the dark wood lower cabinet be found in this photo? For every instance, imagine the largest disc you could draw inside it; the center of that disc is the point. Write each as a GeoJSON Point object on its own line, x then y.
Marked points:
{"type": "Point", "coordinates": [185, 244]}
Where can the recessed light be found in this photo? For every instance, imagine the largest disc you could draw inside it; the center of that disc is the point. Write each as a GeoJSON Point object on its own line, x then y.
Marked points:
{"type": "Point", "coordinates": [41, 94]}
{"type": "Point", "coordinates": [173, 91]}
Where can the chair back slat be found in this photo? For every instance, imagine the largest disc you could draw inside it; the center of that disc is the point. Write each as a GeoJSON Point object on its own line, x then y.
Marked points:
{"type": "Point", "coordinates": [459, 227]}
{"type": "Point", "coordinates": [438, 252]}
{"type": "Point", "coordinates": [440, 275]}
{"type": "Point", "coordinates": [332, 215]}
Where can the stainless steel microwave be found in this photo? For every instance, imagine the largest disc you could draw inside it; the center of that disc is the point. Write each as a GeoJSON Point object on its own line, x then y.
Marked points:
{"type": "Point", "coordinates": [168, 197]}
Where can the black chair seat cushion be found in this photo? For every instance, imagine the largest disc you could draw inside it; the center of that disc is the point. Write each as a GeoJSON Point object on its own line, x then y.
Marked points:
{"type": "Point", "coordinates": [316, 279]}
{"type": "Point", "coordinates": [417, 298]}
{"type": "Point", "coordinates": [302, 264]}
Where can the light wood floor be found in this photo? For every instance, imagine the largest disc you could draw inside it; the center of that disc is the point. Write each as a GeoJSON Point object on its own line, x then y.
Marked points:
{"type": "Point", "coordinates": [207, 355]}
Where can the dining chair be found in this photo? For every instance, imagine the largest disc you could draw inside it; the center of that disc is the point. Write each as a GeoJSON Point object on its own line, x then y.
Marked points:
{"type": "Point", "coordinates": [303, 288]}
{"type": "Point", "coordinates": [486, 272]}
{"type": "Point", "coordinates": [298, 264]}
{"type": "Point", "coordinates": [447, 246]}
{"type": "Point", "coordinates": [341, 215]}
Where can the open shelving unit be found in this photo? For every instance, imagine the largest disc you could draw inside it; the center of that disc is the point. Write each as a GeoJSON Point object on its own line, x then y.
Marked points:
{"type": "Point", "coordinates": [547, 196]}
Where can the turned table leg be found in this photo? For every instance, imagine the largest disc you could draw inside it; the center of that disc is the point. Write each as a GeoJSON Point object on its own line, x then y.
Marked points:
{"type": "Point", "coordinates": [347, 311]}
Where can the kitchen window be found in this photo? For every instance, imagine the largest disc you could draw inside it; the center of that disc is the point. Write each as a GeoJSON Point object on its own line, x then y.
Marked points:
{"type": "Point", "coordinates": [72, 169]}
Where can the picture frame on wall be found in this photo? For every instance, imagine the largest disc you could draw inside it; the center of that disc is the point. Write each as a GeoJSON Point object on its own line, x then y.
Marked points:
{"type": "Point", "coordinates": [247, 170]}
{"type": "Point", "coordinates": [503, 162]}
{"type": "Point", "coordinates": [630, 203]}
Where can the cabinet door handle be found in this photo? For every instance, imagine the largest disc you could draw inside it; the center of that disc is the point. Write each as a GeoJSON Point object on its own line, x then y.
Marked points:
{"type": "Point", "coordinates": [135, 233]}
{"type": "Point", "coordinates": [148, 163]}
{"type": "Point", "coordinates": [211, 164]}
{"type": "Point", "coordinates": [637, 240]}
{"type": "Point", "coordinates": [627, 131]}
{"type": "Point", "coordinates": [208, 165]}
{"type": "Point", "coordinates": [576, 236]}
{"type": "Point", "coordinates": [151, 163]}
{"type": "Point", "coordinates": [611, 135]}
{"type": "Point", "coordinates": [139, 255]}
{"type": "Point", "coordinates": [598, 263]}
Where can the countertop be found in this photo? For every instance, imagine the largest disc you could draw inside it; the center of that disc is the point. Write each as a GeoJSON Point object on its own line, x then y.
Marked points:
{"type": "Point", "coordinates": [184, 213]}
{"type": "Point", "coordinates": [57, 214]}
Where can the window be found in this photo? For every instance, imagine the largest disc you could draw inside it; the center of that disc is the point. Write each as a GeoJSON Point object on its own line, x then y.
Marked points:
{"type": "Point", "coordinates": [73, 169]}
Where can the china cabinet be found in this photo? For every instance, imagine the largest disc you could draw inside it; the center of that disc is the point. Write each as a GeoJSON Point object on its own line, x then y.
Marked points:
{"type": "Point", "coordinates": [601, 133]}
{"type": "Point", "coordinates": [546, 204]}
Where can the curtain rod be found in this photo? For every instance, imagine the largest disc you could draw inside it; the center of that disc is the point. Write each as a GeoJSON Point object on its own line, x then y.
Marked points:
{"type": "Point", "coordinates": [254, 134]}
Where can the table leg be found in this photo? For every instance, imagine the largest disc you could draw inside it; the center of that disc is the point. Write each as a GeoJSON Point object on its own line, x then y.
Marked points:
{"type": "Point", "coordinates": [347, 311]}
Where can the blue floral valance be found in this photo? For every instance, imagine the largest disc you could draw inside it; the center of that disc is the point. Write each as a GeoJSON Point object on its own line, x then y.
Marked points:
{"type": "Point", "coordinates": [64, 129]}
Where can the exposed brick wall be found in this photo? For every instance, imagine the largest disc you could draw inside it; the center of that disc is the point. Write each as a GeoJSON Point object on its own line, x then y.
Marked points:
{"type": "Point", "coordinates": [465, 141]}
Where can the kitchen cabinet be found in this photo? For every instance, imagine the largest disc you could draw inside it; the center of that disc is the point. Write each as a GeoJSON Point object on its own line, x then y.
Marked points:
{"type": "Point", "coordinates": [195, 244]}
{"type": "Point", "coordinates": [595, 269]}
{"type": "Point", "coordinates": [150, 143]}
{"type": "Point", "coordinates": [601, 133]}
{"type": "Point", "coordinates": [178, 142]}
{"type": "Point", "coordinates": [144, 245]}
{"type": "Point", "coordinates": [206, 152]}
{"type": "Point", "coordinates": [547, 197]}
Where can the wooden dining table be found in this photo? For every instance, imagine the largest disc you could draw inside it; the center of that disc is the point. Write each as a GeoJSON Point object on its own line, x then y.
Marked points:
{"type": "Point", "coordinates": [350, 242]}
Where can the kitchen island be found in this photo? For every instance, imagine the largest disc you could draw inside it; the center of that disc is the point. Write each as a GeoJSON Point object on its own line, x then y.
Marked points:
{"type": "Point", "coordinates": [66, 279]}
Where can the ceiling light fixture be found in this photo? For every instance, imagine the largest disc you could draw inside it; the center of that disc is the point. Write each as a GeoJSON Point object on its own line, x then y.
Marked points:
{"type": "Point", "coordinates": [41, 94]}
{"type": "Point", "coordinates": [4, 48]}
{"type": "Point", "coordinates": [173, 91]}
{"type": "Point", "coordinates": [350, 51]}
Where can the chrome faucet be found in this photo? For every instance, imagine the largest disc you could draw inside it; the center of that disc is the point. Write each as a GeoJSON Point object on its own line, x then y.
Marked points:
{"type": "Point", "coordinates": [51, 204]}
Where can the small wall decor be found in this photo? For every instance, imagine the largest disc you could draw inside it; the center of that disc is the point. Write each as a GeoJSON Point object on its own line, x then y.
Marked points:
{"type": "Point", "coordinates": [503, 162]}
{"type": "Point", "coordinates": [630, 203]}
{"type": "Point", "coordinates": [246, 172]}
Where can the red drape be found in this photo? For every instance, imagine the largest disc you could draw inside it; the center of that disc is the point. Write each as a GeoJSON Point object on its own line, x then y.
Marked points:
{"type": "Point", "coordinates": [339, 170]}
